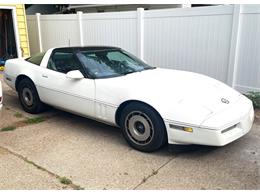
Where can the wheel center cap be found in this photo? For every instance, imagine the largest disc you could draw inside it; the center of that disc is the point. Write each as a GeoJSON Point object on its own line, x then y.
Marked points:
{"type": "Point", "coordinates": [140, 127]}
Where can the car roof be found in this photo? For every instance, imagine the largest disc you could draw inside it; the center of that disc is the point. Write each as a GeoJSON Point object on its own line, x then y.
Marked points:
{"type": "Point", "coordinates": [89, 47]}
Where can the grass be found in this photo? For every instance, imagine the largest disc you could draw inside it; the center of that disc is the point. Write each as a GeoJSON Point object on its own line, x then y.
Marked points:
{"type": "Point", "coordinates": [28, 121]}
{"type": "Point", "coordinates": [34, 120]}
{"type": "Point", "coordinates": [154, 172]}
{"type": "Point", "coordinates": [18, 115]}
{"type": "Point", "coordinates": [78, 188]}
{"type": "Point", "coordinates": [65, 180]}
{"type": "Point", "coordinates": [32, 163]}
{"type": "Point", "coordinates": [9, 128]}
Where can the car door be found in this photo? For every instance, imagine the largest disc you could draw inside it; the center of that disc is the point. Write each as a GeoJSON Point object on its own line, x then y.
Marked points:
{"type": "Point", "coordinates": [74, 95]}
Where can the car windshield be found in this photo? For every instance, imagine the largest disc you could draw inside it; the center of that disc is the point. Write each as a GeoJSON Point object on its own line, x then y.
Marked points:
{"type": "Point", "coordinates": [110, 63]}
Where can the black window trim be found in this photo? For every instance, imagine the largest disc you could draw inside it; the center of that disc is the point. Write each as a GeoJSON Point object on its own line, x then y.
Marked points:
{"type": "Point", "coordinates": [72, 50]}
{"type": "Point", "coordinates": [76, 50]}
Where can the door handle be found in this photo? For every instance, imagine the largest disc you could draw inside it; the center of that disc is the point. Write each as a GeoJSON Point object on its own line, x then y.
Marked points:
{"type": "Point", "coordinates": [44, 76]}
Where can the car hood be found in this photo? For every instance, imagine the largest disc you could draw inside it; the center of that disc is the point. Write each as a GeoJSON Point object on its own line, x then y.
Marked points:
{"type": "Point", "coordinates": [178, 96]}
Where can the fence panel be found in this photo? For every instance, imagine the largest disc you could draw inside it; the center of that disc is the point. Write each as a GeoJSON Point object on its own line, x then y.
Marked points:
{"type": "Point", "coordinates": [59, 31]}
{"type": "Point", "coordinates": [222, 42]}
{"type": "Point", "coordinates": [112, 29]}
{"type": "Point", "coordinates": [248, 72]}
{"type": "Point", "coordinates": [193, 40]}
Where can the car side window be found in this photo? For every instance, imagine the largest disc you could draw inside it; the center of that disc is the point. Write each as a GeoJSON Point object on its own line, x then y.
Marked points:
{"type": "Point", "coordinates": [64, 61]}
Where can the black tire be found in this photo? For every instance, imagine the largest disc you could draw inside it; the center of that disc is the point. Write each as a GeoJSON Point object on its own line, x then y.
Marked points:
{"type": "Point", "coordinates": [32, 103]}
{"type": "Point", "coordinates": [136, 120]}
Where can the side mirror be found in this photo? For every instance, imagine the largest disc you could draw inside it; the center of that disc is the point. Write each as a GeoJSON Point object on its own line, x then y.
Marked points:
{"type": "Point", "coordinates": [74, 74]}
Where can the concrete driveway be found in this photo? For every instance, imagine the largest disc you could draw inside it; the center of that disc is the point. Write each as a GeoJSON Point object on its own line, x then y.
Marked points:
{"type": "Point", "coordinates": [58, 150]}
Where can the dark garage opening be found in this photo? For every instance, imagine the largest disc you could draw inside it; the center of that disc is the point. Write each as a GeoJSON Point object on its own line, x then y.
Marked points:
{"type": "Point", "coordinates": [7, 38]}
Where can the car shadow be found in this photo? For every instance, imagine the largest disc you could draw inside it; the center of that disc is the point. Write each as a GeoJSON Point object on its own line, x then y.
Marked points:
{"type": "Point", "coordinates": [106, 130]}
{"type": "Point", "coordinates": [184, 149]}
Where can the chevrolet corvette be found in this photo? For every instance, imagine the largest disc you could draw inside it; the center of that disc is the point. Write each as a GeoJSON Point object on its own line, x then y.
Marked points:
{"type": "Point", "coordinates": [152, 106]}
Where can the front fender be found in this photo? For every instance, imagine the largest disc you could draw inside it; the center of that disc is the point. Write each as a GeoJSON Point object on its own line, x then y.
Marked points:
{"type": "Point", "coordinates": [179, 112]}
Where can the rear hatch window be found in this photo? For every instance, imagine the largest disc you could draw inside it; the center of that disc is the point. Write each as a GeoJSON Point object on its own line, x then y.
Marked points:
{"type": "Point", "coordinates": [36, 59]}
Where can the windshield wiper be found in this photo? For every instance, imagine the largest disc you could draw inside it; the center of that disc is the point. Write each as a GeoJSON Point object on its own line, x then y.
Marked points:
{"type": "Point", "coordinates": [147, 68]}
{"type": "Point", "coordinates": [150, 68]}
{"type": "Point", "coordinates": [130, 72]}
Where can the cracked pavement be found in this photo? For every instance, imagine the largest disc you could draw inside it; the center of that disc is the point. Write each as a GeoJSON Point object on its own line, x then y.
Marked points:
{"type": "Point", "coordinates": [95, 156]}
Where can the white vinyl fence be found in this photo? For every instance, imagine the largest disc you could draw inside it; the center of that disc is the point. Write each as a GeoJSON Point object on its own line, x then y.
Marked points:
{"type": "Point", "coordinates": [222, 42]}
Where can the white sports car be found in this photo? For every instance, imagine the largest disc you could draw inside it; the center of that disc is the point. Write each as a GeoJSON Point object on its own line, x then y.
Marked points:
{"type": "Point", "coordinates": [151, 105]}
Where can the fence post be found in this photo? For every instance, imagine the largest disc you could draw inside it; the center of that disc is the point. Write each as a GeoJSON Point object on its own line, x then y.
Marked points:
{"type": "Point", "coordinates": [234, 47]}
{"type": "Point", "coordinates": [38, 22]}
{"type": "Point", "coordinates": [140, 33]}
{"type": "Point", "coordinates": [80, 28]}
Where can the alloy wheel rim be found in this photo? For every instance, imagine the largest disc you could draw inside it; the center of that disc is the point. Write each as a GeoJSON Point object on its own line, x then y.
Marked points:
{"type": "Point", "coordinates": [139, 128]}
{"type": "Point", "coordinates": [27, 96]}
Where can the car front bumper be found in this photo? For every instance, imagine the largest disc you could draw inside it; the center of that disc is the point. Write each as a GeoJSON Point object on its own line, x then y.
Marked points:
{"type": "Point", "coordinates": [238, 121]}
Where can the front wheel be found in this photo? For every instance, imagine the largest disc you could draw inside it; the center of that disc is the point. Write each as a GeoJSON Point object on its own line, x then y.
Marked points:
{"type": "Point", "coordinates": [142, 127]}
{"type": "Point", "coordinates": [29, 97]}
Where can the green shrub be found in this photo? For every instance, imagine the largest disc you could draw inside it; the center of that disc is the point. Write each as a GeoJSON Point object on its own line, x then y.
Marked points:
{"type": "Point", "coordinates": [254, 97]}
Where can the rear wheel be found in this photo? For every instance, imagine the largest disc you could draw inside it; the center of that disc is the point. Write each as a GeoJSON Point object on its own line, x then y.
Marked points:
{"type": "Point", "coordinates": [29, 97]}
{"type": "Point", "coordinates": [142, 127]}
